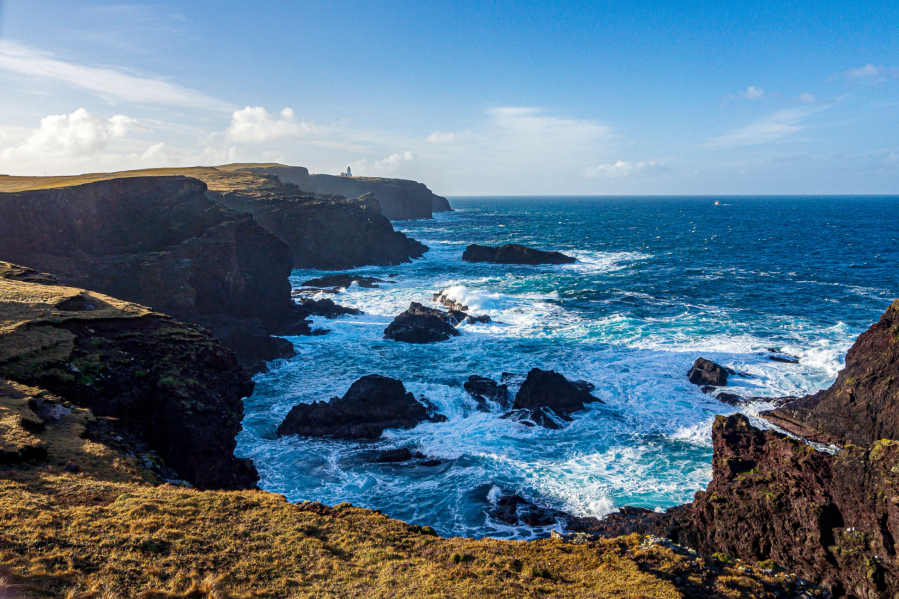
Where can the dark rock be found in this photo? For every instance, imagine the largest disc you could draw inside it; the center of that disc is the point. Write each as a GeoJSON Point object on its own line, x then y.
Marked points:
{"type": "Point", "coordinates": [483, 389]}
{"type": "Point", "coordinates": [344, 280]}
{"type": "Point", "coordinates": [399, 199]}
{"type": "Point", "coordinates": [420, 324]}
{"type": "Point", "coordinates": [443, 299]}
{"type": "Point", "coordinates": [549, 389]}
{"type": "Point", "coordinates": [324, 231]}
{"type": "Point", "coordinates": [706, 372]}
{"type": "Point", "coordinates": [325, 307]}
{"type": "Point", "coordinates": [482, 319]}
{"type": "Point", "coordinates": [430, 463]}
{"type": "Point", "coordinates": [395, 456]}
{"type": "Point", "coordinates": [861, 407]}
{"type": "Point", "coordinates": [513, 253]}
{"type": "Point", "coordinates": [516, 510]}
{"type": "Point", "coordinates": [373, 403]}
{"type": "Point", "coordinates": [783, 359]}
{"type": "Point", "coordinates": [156, 241]}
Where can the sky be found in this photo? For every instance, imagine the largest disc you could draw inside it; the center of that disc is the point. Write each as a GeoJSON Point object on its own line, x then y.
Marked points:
{"type": "Point", "coordinates": [471, 98]}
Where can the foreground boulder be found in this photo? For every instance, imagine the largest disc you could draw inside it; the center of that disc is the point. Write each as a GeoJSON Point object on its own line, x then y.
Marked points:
{"type": "Point", "coordinates": [705, 372]}
{"type": "Point", "coordinates": [862, 406]}
{"type": "Point", "coordinates": [372, 404]}
{"type": "Point", "coordinates": [513, 253]}
{"type": "Point", "coordinates": [420, 324]}
{"type": "Point", "coordinates": [163, 384]}
{"type": "Point", "coordinates": [546, 396]}
{"type": "Point", "coordinates": [160, 242]}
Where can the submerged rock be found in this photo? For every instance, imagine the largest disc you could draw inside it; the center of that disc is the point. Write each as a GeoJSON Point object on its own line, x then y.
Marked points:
{"type": "Point", "coordinates": [373, 403]}
{"type": "Point", "coordinates": [706, 372]}
{"type": "Point", "coordinates": [420, 324]}
{"type": "Point", "coordinates": [513, 253]}
{"type": "Point", "coordinates": [396, 456]}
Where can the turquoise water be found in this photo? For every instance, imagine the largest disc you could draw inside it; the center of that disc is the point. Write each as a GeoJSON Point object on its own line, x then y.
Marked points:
{"type": "Point", "coordinates": [659, 282]}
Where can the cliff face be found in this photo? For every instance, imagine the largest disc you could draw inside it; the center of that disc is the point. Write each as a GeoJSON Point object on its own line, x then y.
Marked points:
{"type": "Point", "coordinates": [400, 199]}
{"type": "Point", "coordinates": [167, 385]}
{"type": "Point", "coordinates": [161, 242]}
{"type": "Point", "coordinates": [862, 406]}
{"type": "Point", "coordinates": [327, 232]}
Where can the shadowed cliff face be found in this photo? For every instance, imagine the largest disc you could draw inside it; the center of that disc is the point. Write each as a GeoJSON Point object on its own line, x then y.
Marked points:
{"type": "Point", "coordinates": [862, 406]}
{"type": "Point", "coordinates": [166, 384]}
{"type": "Point", "coordinates": [161, 242]}
{"type": "Point", "coordinates": [400, 199]}
{"type": "Point", "coordinates": [327, 232]}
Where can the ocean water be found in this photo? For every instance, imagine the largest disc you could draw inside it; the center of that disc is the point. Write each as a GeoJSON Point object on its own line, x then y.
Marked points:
{"type": "Point", "coordinates": [658, 283]}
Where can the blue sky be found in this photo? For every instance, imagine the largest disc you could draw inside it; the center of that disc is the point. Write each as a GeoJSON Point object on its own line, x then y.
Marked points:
{"type": "Point", "coordinates": [468, 97]}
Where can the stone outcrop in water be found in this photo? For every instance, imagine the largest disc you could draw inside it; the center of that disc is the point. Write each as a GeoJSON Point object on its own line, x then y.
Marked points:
{"type": "Point", "coordinates": [483, 390]}
{"type": "Point", "coordinates": [372, 404]}
{"type": "Point", "coordinates": [400, 199]}
{"type": "Point", "coordinates": [547, 390]}
{"type": "Point", "coordinates": [167, 384]}
{"type": "Point", "coordinates": [327, 232]}
{"type": "Point", "coordinates": [513, 253]}
{"type": "Point", "coordinates": [161, 242]}
{"type": "Point", "coordinates": [344, 280]}
{"type": "Point", "coordinates": [862, 406]}
{"type": "Point", "coordinates": [420, 324]}
{"type": "Point", "coordinates": [706, 372]}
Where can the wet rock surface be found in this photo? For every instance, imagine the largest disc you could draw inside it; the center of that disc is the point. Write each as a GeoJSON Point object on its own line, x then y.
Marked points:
{"type": "Point", "coordinates": [513, 253]}
{"type": "Point", "coordinates": [483, 389]}
{"type": "Point", "coordinates": [420, 324]}
{"type": "Point", "coordinates": [344, 280]}
{"type": "Point", "coordinates": [549, 389]}
{"type": "Point", "coordinates": [325, 307]}
{"type": "Point", "coordinates": [372, 404]}
{"type": "Point", "coordinates": [706, 372]}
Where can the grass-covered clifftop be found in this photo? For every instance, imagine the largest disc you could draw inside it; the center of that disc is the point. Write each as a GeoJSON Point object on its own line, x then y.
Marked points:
{"type": "Point", "coordinates": [87, 513]}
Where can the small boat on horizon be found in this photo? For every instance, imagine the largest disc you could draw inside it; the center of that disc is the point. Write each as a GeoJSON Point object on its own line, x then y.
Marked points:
{"type": "Point", "coordinates": [717, 203]}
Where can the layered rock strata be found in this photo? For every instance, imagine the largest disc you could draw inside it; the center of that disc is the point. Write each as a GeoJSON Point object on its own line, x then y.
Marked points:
{"type": "Point", "coordinates": [168, 384]}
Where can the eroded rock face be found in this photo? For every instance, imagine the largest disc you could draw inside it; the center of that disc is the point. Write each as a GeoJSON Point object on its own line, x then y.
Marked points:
{"type": "Point", "coordinates": [327, 232]}
{"type": "Point", "coordinates": [169, 384]}
{"type": "Point", "coordinates": [420, 324]}
{"type": "Point", "coordinates": [372, 404]}
{"type": "Point", "coordinates": [706, 372]}
{"type": "Point", "coordinates": [862, 406]}
{"type": "Point", "coordinates": [513, 253]}
{"type": "Point", "coordinates": [161, 242]}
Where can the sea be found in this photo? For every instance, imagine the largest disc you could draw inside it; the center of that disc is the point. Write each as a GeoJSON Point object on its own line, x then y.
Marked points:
{"type": "Point", "coordinates": [658, 282]}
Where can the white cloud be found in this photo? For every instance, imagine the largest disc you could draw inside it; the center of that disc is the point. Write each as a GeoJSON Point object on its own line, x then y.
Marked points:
{"type": "Point", "coordinates": [626, 169]}
{"type": "Point", "coordinates": [256, 125]}
{"type": "Point", "coordinates": [779, 126]}
{"type": "Point", "coordinates": [438, 137]}
{"type": "Point", "coordinates": [872, 73]}
{"type": "Point", "coordinates": [807, 98]}
{"type": "Point", "coordinates": [108, 83]}
{"type": "Point", "coordinates": [752, 93]}
{"type": "Point", "coordinates": [386, 166]}
{"type": "Point", "coordinates": [80, 134]}
{"type": "Point", "coordinates": [532, 128]}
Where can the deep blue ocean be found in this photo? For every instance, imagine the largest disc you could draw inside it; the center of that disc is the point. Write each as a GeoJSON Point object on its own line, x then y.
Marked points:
{"type": "Point", "coordinates": [658, 282]}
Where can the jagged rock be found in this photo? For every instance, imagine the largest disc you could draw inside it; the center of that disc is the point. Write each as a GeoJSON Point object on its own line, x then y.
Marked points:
{"type": "Point", "coordinates": [862, 406]}
{"type": "Point", "coordinates": [169, 384]}
{"type": "Point", "coordinates": [325, 307]}
{"type": "Point", "coordinates": [327, 232]}
{"type": "Point", "coordinates": [420, 324]}
{"type": "Point", "coordinates": [441, 298]}
{"type": "Point", "coordinates": [482, 319]}
{"type": "Point", "coordinates": [706, 372]}
{"type": "Point", "coordinates": [513, 253]}
{"type": "Point", "coordinates": [344, 280]}
{"type": "Point", "coordinates": [160, 242]}
{"type": "Point", "coordinates": [517, 511]}
{"type": "Point", "coordinates": [484, 389]}
{"type": "Point", "coordinates": [549, 389]}
{"type": "Point", "coordinates": [373, 403]}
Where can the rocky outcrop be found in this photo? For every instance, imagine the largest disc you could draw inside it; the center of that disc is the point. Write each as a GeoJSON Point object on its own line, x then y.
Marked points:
{"type": "Point", "coordinates": [400, 199]}
{"type": "Point", "coordinates": [513, 253]}
{"type": "Point", "coordinates": [483, 390]}
{"type": "Point", "coordinates": [161, 242]}
{"type": "Point", "coordinates": [546, 396]}
{"type": "Point", "coordinates": [326, 232]}
{"type": "Point", "coordinates": [705, 372]}
{"type": "Point", "coordinates": [862, 406]}
{"type": "Point", "coordinates": [168, 384]}
{"type": "Point", "coordinates": [325, 307]}
{"type": "Point", "coordinates": [420, 324]}
{"type": "Point", "coordinates": [372, 404]}
{"type": "Point", "coordinates": [344, 280]}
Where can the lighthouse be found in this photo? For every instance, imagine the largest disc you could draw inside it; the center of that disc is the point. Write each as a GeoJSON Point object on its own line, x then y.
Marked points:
{"type": "Point", "coordinates": [348, 173]}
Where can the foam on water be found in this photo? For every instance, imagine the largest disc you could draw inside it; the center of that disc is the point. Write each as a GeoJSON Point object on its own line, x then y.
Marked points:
{"type": "Point", "coordinates": [630, 317]}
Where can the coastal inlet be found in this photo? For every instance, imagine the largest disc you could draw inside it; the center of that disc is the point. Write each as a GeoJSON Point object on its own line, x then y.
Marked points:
{"type": "Point", "coordinates": [658, 282]}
